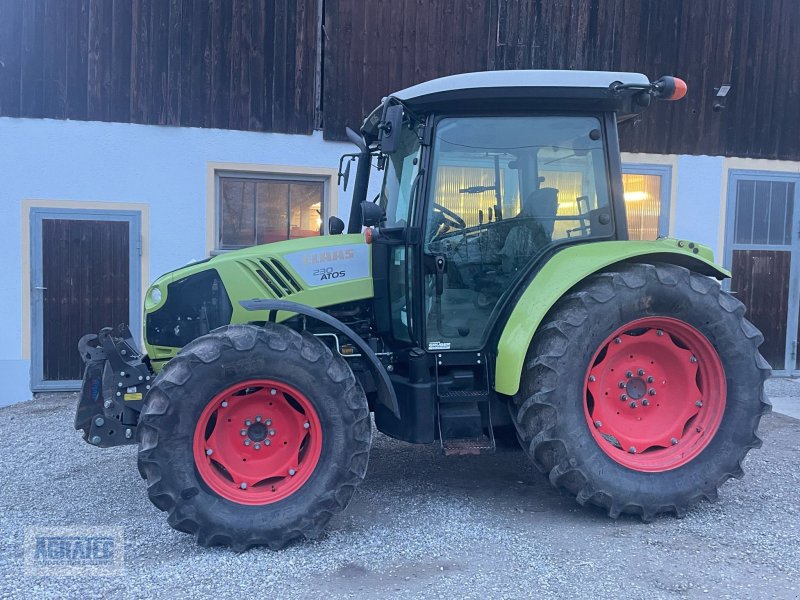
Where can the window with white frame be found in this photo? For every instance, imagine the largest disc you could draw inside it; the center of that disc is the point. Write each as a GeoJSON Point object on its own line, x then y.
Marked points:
{"type": "Point", "coordinates": [647, 200]}
{"type": "Point", "coordinates": [260, 208]}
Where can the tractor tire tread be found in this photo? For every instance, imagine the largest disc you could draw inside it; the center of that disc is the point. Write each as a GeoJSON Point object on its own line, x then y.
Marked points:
{"type": "Point", "coordinates": [536, 415]}
{"type": "Point", "coordinates": [208, 349]}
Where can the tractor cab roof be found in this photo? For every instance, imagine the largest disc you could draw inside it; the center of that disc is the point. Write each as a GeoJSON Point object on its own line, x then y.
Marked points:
{"type": "Point", "coordinates": [595, 90]}
{"type": "Point", "coordinates": [501, 91]}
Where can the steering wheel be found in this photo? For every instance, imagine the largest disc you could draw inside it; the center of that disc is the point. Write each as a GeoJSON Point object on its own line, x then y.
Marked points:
{"type": "Point", "coordinates": [450, 218]}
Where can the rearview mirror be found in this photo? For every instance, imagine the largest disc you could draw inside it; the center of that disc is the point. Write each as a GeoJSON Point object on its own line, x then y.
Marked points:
{"type": "Point", "coordinates": [390, 129]}
{"type": "Point", "coordinates": [372, 215]}
{"type": "Point", "coordinates": [335, 225]}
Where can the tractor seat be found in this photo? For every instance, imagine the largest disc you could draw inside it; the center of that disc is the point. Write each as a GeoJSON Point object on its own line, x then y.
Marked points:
{"type": "Point", "coordinates": [530, 235]}
{"type": "Point", "coordinates": [542, 203]}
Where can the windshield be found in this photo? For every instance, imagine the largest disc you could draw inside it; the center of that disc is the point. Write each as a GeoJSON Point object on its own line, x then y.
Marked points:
{"type": "Point", "coordinates": [399, 178]}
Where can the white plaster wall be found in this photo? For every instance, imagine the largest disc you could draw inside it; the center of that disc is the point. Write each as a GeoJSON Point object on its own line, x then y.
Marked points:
{"type": "Point", "coordinates": [164, 167]}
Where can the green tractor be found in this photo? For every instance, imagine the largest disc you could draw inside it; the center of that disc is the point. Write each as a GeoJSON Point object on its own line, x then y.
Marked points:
{"type": "Point", "coordinates": [489, 291]}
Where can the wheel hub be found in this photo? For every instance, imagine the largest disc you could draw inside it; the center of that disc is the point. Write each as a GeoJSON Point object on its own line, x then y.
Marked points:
{"type": "Point", "coordinates": [257, 432]}
{"type": "Point", "coordinates": [636, 388]}
{"type": "Point", "coordinates": [655, 394]}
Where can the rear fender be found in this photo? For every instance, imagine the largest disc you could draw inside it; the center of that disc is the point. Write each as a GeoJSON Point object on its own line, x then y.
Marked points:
{"type": "Point", "coordinates": [568, 268]}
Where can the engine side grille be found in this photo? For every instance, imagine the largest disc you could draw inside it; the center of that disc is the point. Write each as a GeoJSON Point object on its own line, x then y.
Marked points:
{"type": "Point", "coordinates": [276, 277]}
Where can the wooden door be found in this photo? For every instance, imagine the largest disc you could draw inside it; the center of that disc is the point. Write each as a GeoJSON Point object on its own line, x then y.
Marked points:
{"type": "Point", "coordinates": [763, 256]}
{"type": "Point", "coordinates": [85, 277]}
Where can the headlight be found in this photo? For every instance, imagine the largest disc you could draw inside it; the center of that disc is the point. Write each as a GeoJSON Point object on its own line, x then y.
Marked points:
{"type": "Point", "coordinates": [155, 295]}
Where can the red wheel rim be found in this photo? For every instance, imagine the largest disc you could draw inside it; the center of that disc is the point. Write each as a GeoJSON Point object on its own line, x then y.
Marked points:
{"type": "Point", "coordinates": [257, 442]}
{"type": "Point", "coordinates": [655, 394]}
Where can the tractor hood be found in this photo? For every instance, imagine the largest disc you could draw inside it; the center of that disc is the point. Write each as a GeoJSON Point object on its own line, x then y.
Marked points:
{"type": "Point", "coordinates": [193, 300]}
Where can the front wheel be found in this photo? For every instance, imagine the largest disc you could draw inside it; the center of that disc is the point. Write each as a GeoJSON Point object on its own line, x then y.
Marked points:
{"type": "Point", "coordinates": [254, 435]}
{"type": "Point", "coordinates": [643, 391]}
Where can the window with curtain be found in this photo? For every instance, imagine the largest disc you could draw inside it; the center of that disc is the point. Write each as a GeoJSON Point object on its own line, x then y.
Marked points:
{"type": "Point", "coordinates": [645, 205]}
{"type": "Point", "coordinates": [256, 210]}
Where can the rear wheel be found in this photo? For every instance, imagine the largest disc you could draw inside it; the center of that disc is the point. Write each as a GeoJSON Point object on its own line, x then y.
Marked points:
{"type": "Point", "coordinates": [643, 391]}
{"type": "Point", "coordinates": [254, 436]}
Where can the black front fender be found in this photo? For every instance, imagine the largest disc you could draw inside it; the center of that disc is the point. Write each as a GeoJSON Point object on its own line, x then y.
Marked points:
{"type": "Point", "coordinates": [386, 395]}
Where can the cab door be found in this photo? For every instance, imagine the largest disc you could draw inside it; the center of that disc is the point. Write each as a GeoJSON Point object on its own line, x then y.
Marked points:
{"type": "Point", "coordinates": [502, 191]}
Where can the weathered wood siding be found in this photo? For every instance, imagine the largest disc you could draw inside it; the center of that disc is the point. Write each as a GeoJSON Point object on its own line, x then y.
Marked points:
{"type": "Point", "coordinates": [231, 64]}
{"type": "Point", "coordinates": [251, 64]}
{"type": "Point", "coordinates": [749, 44]}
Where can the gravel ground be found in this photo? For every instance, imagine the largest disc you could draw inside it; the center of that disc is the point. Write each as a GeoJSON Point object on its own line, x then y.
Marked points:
{"type": "Point", "coordinates": [421, 526]}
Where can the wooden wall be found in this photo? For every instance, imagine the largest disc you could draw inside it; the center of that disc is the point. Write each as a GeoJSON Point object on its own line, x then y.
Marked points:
{"type": "Point", "coordinates": [233, 64]}
{"type": "Point", "coordinates": [751, 44]}
{"type": "Point", "coordinates": [251, 64]}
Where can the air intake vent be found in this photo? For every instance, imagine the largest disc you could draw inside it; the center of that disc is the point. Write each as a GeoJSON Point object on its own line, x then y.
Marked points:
{"type": "Point", "coordinates": [276, 277]}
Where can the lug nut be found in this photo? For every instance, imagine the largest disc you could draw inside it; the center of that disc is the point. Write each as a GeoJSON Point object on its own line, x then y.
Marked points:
{"type": "Point", "coordinates": [598, 424]}
{"type": "Point", "coordinates": [122, 373]}
{"type": "Point", "coordinates": [119, 384]}
{"type": "Point", "coordinates": [645, 402]}
{"type": "Point", "coordinates": [224, 404]}
{"type": "Point", "coordinates": [651, 391]}
{"type": "Point", "coordinates": [693, 360]}
{"type": "Point", "coordinates": [272, 432]}
{"type": "Point", "coordinates": [623, 397]}
{"type": "Point", "coordinates": [632, 450]}
{"type": "Point", "coordinates": [128, 434]}
{"type": "Point", "coordinates": [209, 452]}
{"type": "Point", "coordinates": [306, 425]}
{"type": "Point", "coordinates": [292, 471]}
{"type": "Point", "coordinates": [267, 442]}
{"type": "Point", "coordinates": [628, 374]}
{"type": "Point", "coordinates": [633, 404]}
{"type": "Point", "coordinates": [248, 422]}
{"type": "Point", "coordinates": [268, 422]}
{"type": "Point", "coordinates": [650, 379]}
{"type": "Point", "coordinates": [256, 446]}
{"type": "Point", "coordinates": [99, 421]}
{"type": "Point", "coordinates": [674, 441]}
{"type": "Point", "coordinates": [141, 378]}
{"type": "Point", "coordinates": [622, 385]}
{"type": "Point", "coordinates": [640, 372]}
{"type": "Point", "coordinates": [247, 442]}
{"type": "Point", "coordinates": [273, 391]}
{"type": "Point", "coordinates": [243, 431]}
{"type": "Point", "coordinates": [592, 378]}
{"type": "Point", "coordinates": [107, 404]}
{"type": "Point", "coordinates": [120, 393]}
{"type": "Point", "coordinates": [617, 340]}
{"type": "Point", "coordinates": [699, 404]}
{"type": "Point", "coordinates": [258, 418]}
{"type": "Point", "coordinates": [243, 485]}
{"type": "Point", "coordinates": [96, 440]}
{"type": "Point", "coordinates": [659, 333]}
{"type": "Point", "coordinates": [147, 378]}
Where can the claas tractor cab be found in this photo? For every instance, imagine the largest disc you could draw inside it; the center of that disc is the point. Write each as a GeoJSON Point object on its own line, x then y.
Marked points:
{"type": "Point", "coordinates": [489, 292]}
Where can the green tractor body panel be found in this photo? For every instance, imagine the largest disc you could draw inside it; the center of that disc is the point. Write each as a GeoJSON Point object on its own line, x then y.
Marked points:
{"type": "Point", "coordinates": [569, 267]}
{"type": "Point", "coordinates": [313, 271]}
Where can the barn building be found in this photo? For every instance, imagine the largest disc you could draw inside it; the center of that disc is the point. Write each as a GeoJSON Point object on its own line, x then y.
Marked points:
{"type": "Point", "coordinates": [138, 135]}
